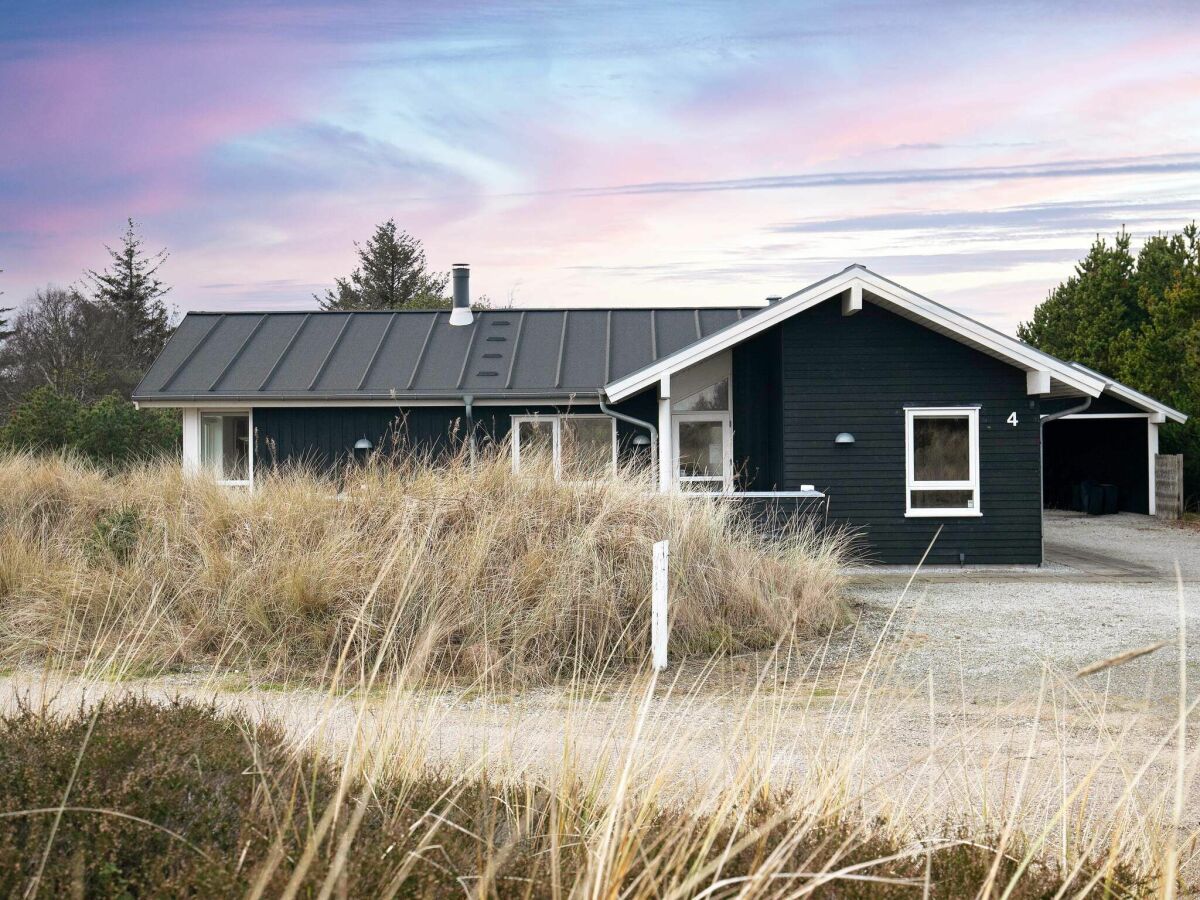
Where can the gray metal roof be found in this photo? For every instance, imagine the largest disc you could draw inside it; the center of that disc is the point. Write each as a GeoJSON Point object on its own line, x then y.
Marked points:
{"type": "Point", "coordinates": [245, 356]}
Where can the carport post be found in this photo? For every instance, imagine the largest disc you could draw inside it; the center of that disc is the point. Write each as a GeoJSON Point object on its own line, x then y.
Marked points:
{"type": "Point", "coordinates": [1152, 453]}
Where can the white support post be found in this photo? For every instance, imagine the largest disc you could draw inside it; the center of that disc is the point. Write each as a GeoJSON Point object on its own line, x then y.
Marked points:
{"type": "Point", "coordinates": [191, 441]}
{"type": "Point", "coordinates": [666, 437]}
{"type": "Point", "coordinates": [1152, 453]}
{"type": "Point", "coordinates": [658, 608]}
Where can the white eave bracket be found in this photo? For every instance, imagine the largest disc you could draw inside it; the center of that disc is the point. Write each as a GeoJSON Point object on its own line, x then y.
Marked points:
{"type": "Point", "coordinates": [852, 300]}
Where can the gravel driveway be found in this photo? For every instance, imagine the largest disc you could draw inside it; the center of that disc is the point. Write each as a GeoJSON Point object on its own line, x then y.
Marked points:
{"type": "Point", "coordinates": [1109, 586]}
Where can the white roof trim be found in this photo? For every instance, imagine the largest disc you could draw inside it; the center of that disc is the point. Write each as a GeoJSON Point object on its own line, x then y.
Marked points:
{"type": "Point", "coordinates": [1132, 397]}
{"type": "Point", "coordinates": [968, 330]}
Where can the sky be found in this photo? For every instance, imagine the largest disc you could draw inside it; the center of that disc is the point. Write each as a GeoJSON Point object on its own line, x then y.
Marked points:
{"type": "Point", "coordinates": [622, 153]}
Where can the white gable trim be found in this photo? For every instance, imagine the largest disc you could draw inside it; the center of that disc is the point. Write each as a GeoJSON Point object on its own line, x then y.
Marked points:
{"type": "Point", "coordinates": [940, 317]}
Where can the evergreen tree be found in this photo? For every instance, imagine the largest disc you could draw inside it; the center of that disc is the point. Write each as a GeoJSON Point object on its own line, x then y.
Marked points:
{"type": "Point", "coordinates": [1139, 322]}
{"type": "Point", "coordinates": [1090, 317]}
{"type": "Point", "coordinates": [391, 274]}
{"type": "Point", "coordinates": [131, 290]}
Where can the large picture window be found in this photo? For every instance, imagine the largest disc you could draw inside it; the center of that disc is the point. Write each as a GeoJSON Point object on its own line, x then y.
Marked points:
{"type": "Point", "coordinates": [942, 458]}
{"type": "Point", "coordinates": [580, 448]}
{"type": "Point", "coordinates": [225, 449]}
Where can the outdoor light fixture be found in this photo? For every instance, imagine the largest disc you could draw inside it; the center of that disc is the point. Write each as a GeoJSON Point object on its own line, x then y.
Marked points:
{"type": "Point", "coordinates": [641, 440]}
{"type": "Point", "coordinates": [844, 437]}
{"type": "Point", "coordinates": [363, 443]}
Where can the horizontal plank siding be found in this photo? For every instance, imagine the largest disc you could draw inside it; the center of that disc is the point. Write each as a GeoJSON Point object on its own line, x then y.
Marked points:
{"type": "Point", "coordinates": [322, 438]}
{"type": "Point", "coordinates": [857, 374]}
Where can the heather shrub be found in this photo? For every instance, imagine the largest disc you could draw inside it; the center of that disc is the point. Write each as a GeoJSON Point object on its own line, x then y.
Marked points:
{"type": "Point", "coordinates": [136, 799]}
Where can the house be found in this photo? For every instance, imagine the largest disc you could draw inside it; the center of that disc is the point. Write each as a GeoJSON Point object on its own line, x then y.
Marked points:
{"type": "Point", "coordinates": [905, 415]}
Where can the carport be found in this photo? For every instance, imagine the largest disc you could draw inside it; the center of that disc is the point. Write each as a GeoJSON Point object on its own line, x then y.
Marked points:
{"type": "Point", "coordinates": [1101, 459]}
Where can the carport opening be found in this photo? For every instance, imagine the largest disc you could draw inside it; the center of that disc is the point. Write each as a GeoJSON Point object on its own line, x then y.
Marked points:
{"type": "Point", "coordinates": [1082, 456]}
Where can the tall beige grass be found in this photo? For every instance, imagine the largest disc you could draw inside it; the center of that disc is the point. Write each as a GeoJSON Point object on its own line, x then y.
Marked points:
{"type": "Point", "coordinates": [453, 568]}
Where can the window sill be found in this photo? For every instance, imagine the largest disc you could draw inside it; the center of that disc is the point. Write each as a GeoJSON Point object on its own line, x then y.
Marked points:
{"type": "Point", "coordinates": [943, 514]}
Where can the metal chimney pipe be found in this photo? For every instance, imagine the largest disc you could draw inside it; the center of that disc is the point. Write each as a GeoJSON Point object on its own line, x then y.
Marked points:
{"type": "Point", "coordinates": [461, 314]}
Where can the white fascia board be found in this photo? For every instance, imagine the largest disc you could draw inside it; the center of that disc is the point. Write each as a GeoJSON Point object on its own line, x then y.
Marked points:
{"type": "Point", "coordinates": [1134, 398]}
{"type": "Point", "coordinates": [1021, 355]}
{"type": "Point", "coordinates": [1140, 400]}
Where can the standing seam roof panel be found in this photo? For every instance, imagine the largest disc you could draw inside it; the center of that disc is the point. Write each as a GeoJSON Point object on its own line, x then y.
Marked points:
{"type": "Point", "coordinates": [311, 355]}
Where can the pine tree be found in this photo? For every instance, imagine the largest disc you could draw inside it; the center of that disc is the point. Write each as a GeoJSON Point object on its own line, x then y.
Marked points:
{"type": "Point", "coordinates": [392, 274]}
{"type": "Point", "coordinates": [1138, 321]}
{"type": "Point", "coordinates": [131, 290]}
{"type": "Point", "coordinates": [1090, 317]}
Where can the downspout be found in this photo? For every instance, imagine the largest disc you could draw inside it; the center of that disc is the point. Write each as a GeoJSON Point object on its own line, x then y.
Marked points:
{"type": "Point", "coordinates": [1087, 401]}
{"type": "Point", "coordinates": [468, 400]}
{"type": "Point", "coordinates": [1070, 411]}
{"type": "Point", "coordinates": [623, 417]}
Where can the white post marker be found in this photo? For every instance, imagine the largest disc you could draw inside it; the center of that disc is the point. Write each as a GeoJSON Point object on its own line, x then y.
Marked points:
{"type": "Point", "coordinates": [658, 608]}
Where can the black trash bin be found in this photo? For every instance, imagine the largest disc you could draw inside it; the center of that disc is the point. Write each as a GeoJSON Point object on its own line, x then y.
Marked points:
{"type": "Point", "coordinates": [1093, 498]}
{"type": "Point", "coordinates": [1111, 496]}
{"type": "Point", "coordinates": [1077, 503]}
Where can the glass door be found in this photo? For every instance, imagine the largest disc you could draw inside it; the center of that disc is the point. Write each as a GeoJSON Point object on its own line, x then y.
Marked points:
{"type": "Point", "coordinates": [704, 451]}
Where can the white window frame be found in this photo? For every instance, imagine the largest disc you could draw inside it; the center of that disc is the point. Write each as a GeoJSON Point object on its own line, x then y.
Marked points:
{"type": "Point", "coordinates": [197, 464]}
{"type": "Point", "coordinates": [556, 420]}
{"type": "Point", "coordinates": [722, 483]}
{"type": "Point", "coordinates": [971, 413]}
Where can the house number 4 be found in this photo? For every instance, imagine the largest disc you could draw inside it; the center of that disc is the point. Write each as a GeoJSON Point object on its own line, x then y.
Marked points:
{"type": "Point", "coordinates": [1012, 419]}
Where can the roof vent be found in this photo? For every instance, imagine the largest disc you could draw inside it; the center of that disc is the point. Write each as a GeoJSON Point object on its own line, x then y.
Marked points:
{"type": "Point", "coordinates": [461, 314]}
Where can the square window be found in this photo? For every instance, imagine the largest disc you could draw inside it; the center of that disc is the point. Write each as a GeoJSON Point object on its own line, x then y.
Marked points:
{"type": "Point", "coordinates": [535, 441]}
{"type": "Point", "coordinates": [586, 447]}
{"type": "Point", "coordinates": [941, 448]}
{"type": "Point", "coordinates": [701, 449]}
{"type": "Point", "coordinates": [942, 461]}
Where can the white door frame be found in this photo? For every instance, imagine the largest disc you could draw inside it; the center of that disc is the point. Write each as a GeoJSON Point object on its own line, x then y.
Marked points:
{"type": "Point", "coordinates": [725, 418]}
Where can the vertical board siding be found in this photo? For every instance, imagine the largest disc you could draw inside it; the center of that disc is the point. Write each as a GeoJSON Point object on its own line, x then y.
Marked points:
{"type": "Point", "coordinates": [857, 374]}
{"type": "Point", "coordinates": [1168, 478]}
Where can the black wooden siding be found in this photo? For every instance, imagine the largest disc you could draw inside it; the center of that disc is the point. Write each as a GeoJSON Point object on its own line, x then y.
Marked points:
{"type": "Point", "coordinates": [857, 374]}
{"type": "Point", "coordinates": [323, 437]}
{"type": "Point", "coordinates": [758, 413]}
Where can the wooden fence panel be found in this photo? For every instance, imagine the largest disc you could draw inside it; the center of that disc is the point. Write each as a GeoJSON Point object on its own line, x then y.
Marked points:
{"type": "Point", "coordinates": [1168, 485]}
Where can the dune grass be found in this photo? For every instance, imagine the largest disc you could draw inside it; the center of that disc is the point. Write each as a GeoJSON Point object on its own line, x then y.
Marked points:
{"type": "Point", "coordinates": [453, 567]}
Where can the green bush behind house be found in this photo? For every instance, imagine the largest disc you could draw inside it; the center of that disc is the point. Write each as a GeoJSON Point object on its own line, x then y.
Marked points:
{"type": "Point", "coordinates": [111, 431]}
